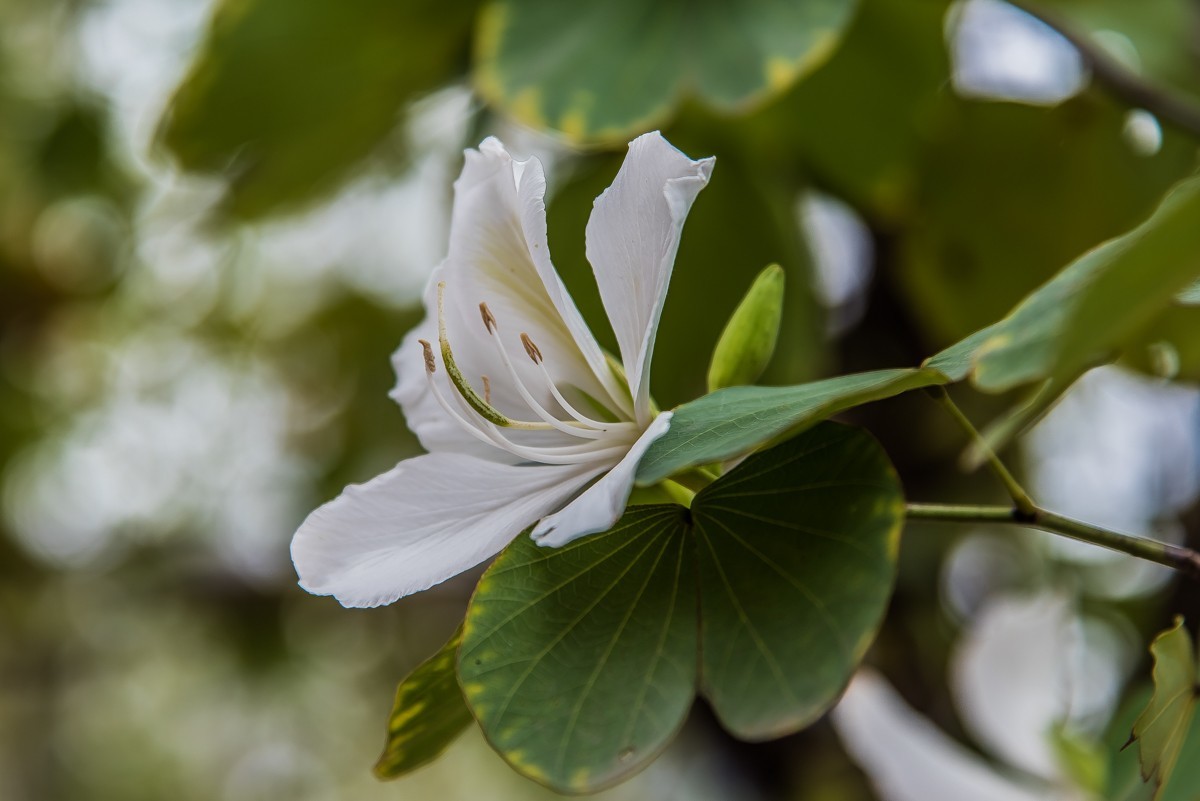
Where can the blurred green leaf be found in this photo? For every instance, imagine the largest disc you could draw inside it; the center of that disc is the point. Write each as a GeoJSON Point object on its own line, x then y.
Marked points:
{"type": "Point", "coordinates": [1124, 779]}
{"type": "Point", "coordinates": [1082, 759]}
{"type": "Point", "coordinates": [1010, 193]}
{"type": "Point", "coordinates": [429, 713]}
{"type": "Point", "coordinates": [580, 662]}
{"type": "Point", "coordinates": [746, 344]}
{"type": "Point", "coordinates": [1161, 728]}
{"type": "Point", "coordinates": [286, 97]}
{"type": "Point", "coordinates": [1153, 38]}
{"type": "Point", "coordinates": [858, 123]}
{"type": "Point", "coordinates": [1095, 306]}
{"type": "Point", "coordinates": [732, 422]}
{"type": "Point", "coordinates": [796, 550]}
{"type": "Point", "coordinates": [600, 73]}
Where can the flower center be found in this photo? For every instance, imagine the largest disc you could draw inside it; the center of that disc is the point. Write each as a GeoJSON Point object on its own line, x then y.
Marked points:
{"type": "Point", "coordinates": [590, 440]}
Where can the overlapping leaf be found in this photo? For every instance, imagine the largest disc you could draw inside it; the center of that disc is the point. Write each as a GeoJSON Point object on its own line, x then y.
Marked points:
{"type": "Point", "coordinates": [602, 72]}
{"type": "Point", "coordinates": [735, 421]}
{"type": "Point", "coordinates": [581, 663]}
{"type": "Point", "coordinates": [286, 97]}
{"type": "Point", "coordinates": [429, 713]}
{"type": "Point", "coordinates": [797, 551]}
{"type": "Point", "coordinates": [1161, 729]}
{"type": "Point", "coordinates": [1090, 310]}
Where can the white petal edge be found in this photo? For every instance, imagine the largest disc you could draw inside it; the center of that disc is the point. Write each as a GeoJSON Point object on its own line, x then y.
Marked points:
{"type": "Point", "coordinates": [425, 520]}
{"type": "Point", "coordinates": [1011, 677]}
{"type": "Point", "coordinates": [601, 505]}
{"type": "Point", "coordinates": [632, 238]}
{"type": "Point", "coordinates": [908, 758]}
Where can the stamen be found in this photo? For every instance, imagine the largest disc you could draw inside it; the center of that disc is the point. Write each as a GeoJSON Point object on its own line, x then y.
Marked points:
{"type": "Point", "coordinates": [487, 390]}
{"type": "Point", "coordinates": [485, 409]}
{"type": "Point", "coordinates": [531, 349]}
{"type": "Point", "coordinates": [491, 435]}
{"type": "Point", "coordinates": [582, 430]}
{"type": "Point", "coordinates": [489, 322]}
{"type": "Point", "coordinates": [569, 409]}
{"type": "Point", "coordinates": [430, 362]}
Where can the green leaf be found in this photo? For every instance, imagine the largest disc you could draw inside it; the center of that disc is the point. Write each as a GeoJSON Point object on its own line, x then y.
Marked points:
{"type": "Point", "coordinates": [1092, 308]}
{"type": "Point", "coordinates": [1161, 729]}
{"type": "Point", "coordinates": [1082, 759]}
{"type": "Point", "coordinates": [796, 550]}
{"type": "Point", "coordinates": [746, 344]}
{"type": "Point", "coordinates": [974, 242]}
{"type": "Point", "coordinates": [732, 422]}
{"type": "Point", "coordinates": [601, 72]}
{"type": "Point", "coordinates": [428, 715]}
{"type": "Point", "coordinates": [580, 662]}
{"type": "Point", "coordinates": [286, 97]}
{"type": "Point", "coordinates": [893, 62]}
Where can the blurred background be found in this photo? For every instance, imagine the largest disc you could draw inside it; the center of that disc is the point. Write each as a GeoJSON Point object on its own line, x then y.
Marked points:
{"type": "Point", "coordinates": [216, 217]}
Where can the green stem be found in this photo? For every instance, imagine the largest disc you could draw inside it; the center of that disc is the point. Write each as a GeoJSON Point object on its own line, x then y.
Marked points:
{"type": "Point", "coordinates": [1018, 494]}
{"type": "Point", "coordinates": [679, 493]}
{"type": "Point", "coordinates": [1178, 557]}
{"type": "Point", "coordinates": [1166, 104]}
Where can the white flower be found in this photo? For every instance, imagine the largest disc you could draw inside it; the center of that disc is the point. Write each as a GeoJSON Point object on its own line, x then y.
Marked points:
{"type": "Point", "coordinates": [1024, 670]}
{"type": "Point", "coordinates": [506, 387]}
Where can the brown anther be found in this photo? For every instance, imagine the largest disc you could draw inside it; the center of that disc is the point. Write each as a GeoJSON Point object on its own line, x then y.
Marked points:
{"type": "Point", "coordinates": [430, 363]}
{"type": "Point", "coordinates": [531, 349]}
{"type": "Point", "coordinates": [489, 321]}
{"type": "Point", "coordinates": [487, 390]}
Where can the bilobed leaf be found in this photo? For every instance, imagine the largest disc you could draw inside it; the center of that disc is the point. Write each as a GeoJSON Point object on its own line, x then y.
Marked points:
{"type": "Point", "coordinates": [580, 662]}
{"type": "Point", "coordinates": [1092, 308]}
{"type": "Point", "coordinates": [1161, 729]}
{"type": "Point", "coordinates": [429, 713]}
{"type": "Point", "coordinates": [733, 422]}
{"type": "Point", "coordinates": [796, 549]}
{"type": "Point", "coordinates": [286, 97]}
{"type": "Point", "coordinates": [601, 72]}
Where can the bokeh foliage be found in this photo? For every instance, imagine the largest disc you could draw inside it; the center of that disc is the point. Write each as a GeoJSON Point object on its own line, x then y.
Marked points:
{"type": "Point", "coordinates": [285, 107]}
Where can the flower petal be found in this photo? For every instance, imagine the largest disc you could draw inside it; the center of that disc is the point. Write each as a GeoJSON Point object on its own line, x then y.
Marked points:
{"type": "Point", "coordinates": [632, 238]}
{"type": "Point", "coordinates": [1011, 677]}
{"type": "Point", "coordinates": [425, 520]}
{"type": "Point", "coordinates": [908, 758]}
{"type": "Point", "coordinates": [601, 505]}
{"type": "Point", "coordinates": [499, 255]}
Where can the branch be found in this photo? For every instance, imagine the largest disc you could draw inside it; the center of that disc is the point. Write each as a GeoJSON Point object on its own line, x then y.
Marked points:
{"type": "Point", "coordinates": [1178, 557]}
{"type": "Point", "coordinates": [1020, 497]}
{"type": "Point", "coordinates": [1167, 105]}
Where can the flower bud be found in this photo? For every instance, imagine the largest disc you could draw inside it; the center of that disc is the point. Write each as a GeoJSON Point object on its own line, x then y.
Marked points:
{"type": "Point", "coordinates": [749, 337]}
